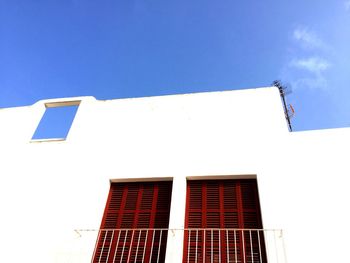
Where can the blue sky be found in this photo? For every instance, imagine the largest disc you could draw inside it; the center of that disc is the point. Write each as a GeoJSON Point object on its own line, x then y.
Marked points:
{"type": "Point", "coordinates": [135, 48]}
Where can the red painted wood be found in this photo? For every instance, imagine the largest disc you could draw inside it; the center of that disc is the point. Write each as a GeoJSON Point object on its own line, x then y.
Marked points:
{"type": "Point", "coordinates": [131, 206]}
{"type": "Point", "coordinates": [223, 204]}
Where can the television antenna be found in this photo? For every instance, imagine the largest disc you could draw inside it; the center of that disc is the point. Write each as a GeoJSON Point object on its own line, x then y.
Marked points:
{"type": "Point", "coordinates": [288, 109]}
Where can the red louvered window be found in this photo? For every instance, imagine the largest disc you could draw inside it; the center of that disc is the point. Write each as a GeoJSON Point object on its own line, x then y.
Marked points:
{"type": "Point", "coordinates": [134, 224]}
{"type": "Point", "coordinates": [222, 218]}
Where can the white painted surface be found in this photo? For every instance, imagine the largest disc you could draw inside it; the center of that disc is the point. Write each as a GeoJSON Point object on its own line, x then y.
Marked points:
{"type": "Point", "coordinates": [49, 189]}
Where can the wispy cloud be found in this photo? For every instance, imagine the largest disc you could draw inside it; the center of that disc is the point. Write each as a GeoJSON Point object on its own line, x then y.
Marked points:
{"type": "Point", "coordinates": [347, 5]}
{"type": "Point", "coordinates": [308, 73]}
{"type": "Point", "coordinates": [312, 64]}
{"type": "Point", "coordinates": [308, 63]}
{"type": "Point", "coordinates": [307, 39]}
{"type": "Point", "coordinates": [312, 83]}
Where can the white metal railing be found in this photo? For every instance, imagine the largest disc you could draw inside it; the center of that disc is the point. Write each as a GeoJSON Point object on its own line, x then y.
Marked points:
{"type": "Point", "coordinates": [233, 246]}
{"type": "Point", "coordinates": [200, 245]}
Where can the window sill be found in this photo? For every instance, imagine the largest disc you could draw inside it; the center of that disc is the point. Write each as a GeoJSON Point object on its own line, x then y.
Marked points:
{"type": "Point", "coordinates": [48, 140]}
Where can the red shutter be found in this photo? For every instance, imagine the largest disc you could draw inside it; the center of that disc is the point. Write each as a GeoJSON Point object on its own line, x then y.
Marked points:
{"type": "Point", "coordinates": [132, 209]}
{"type": "Point", "coordinates": [223, 204]}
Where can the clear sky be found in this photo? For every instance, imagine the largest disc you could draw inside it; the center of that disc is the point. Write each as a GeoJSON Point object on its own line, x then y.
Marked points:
{"type": "Point", "coordinates": [133, 48]}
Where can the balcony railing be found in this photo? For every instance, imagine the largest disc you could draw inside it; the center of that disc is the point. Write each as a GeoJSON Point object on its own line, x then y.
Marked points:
{"type": "Point", "coordinates": [233, 246]}
{"type": "Point", "coordinates": [195, 245]}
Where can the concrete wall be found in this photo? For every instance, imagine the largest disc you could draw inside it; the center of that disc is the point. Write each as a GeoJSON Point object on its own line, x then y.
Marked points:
{"type": "Point", "coordinates": [48, 189]}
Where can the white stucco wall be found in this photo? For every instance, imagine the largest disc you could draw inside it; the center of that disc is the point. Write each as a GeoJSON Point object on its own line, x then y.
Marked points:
{"type": "Point", "coordinates": [48, 189]}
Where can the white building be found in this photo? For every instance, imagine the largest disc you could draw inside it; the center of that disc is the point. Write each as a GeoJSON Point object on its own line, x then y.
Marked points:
{"type": "Point", "coordinates": [228, 155]}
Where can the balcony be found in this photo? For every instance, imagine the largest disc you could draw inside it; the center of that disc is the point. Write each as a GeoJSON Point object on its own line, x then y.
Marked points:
{"type": "Point", "coordinates": [209, 245]}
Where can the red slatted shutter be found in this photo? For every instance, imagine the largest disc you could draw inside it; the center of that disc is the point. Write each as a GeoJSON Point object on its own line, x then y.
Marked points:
{"type": "Point", "coordinates": [223, 204]}
{"type": "Point", "coordinates": [132, 212]}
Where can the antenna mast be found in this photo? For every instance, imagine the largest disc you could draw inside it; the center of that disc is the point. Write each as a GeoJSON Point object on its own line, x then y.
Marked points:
{"type": "Point", "coordinates": [288, 113]}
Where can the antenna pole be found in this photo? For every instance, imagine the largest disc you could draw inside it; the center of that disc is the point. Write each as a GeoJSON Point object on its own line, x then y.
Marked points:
{"type": "Point", "coordinates": [280, 87]}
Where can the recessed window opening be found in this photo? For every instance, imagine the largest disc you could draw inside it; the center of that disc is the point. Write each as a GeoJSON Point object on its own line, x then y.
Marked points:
{"type": "Point", "coordinates": [135, 223]}
{"type": "Point", "coordinates": [223, 222]}
{"type": "Point", "coordinates": [56, 121]}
